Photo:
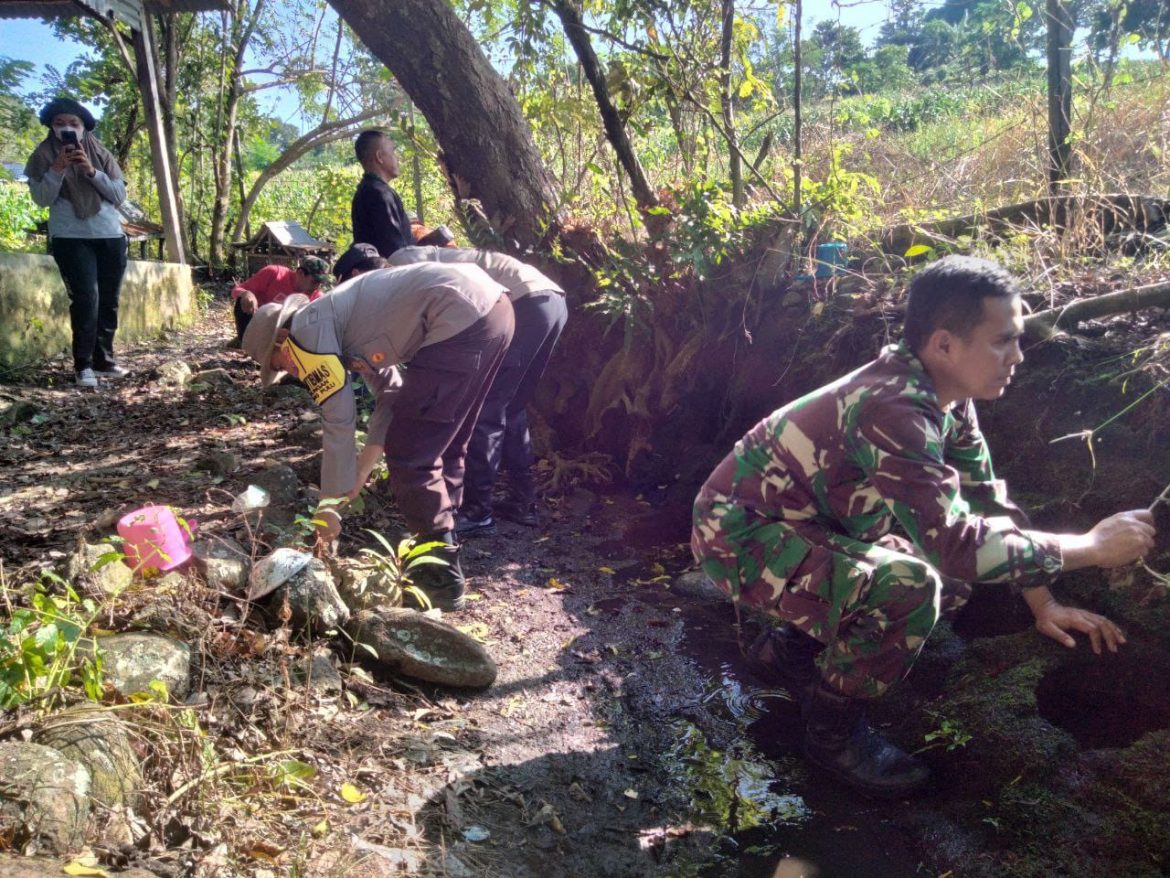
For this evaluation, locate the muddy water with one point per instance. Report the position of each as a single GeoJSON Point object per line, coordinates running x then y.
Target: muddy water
{"type": "Point", "coordinates": [826, 831]}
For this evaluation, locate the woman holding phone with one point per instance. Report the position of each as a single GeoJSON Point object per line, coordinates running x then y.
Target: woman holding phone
{"type": "Point", "coordinates": [77, 178]}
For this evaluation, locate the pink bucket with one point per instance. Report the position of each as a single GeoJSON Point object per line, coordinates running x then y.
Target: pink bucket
{"type": "Point", "coordinates": [154, 538]}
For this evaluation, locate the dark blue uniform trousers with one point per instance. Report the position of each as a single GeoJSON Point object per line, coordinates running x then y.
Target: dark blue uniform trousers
{"type": "Point", "coordinates": [501, 433]}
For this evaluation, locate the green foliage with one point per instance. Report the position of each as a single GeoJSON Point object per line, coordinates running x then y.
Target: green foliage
{"type": "Point", "coordinates": [305, 526]}
{"type": "Point", "coordinates": [39, 645]}
{"type": "Point", "coordinates": [395, 563]}
{"type": "Point", "coordinates": [843, 200]}
{"type": "Point", "coordinates": [19, 215]}
{"type": "Point", "coordinates": [949, 735]}
{"type": "Point", "coordinates": [706, 231]}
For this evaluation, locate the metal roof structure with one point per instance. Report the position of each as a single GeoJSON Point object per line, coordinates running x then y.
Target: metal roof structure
{"type": "Point", "coordinates": [126, 11]}
{"type": "Point", "coordinates": [281, 242]}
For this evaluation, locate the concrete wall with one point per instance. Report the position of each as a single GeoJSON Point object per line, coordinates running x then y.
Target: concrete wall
{"type": "Point", "coordinates": [34, 308]}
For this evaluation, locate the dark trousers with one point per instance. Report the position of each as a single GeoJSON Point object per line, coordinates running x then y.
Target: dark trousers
{"type": "Point", "coordinates": [92, 269]}
{"type": "Point", "coordinates": [443, 389]}
{"type": "Point", "coordinates": [501, 433]}
{"type": "Point", "coordinates": [242, 319]}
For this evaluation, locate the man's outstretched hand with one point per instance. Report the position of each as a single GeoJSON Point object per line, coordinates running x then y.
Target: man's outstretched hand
{"type": "Point", "coordinates": [1115, 541]}
{"type": "Point", "coordinates": [1055, 620]}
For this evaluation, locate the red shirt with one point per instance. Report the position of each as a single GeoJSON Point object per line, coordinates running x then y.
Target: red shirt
{"type": "Point", "coordinates": [272, 283]}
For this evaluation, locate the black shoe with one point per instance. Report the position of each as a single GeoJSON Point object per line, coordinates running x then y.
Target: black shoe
{"type": "Point", "coordinates": [785, 656]}
{"type": "Point", "coordinates": [468, 527]}
{"type": "Point", "coordinates": [839, 740]}
{"type": "Point", "coordinates": [111, 371]}
{"type": "Point", "coordinates": [443, 584]}
{"type": "Point", "coordinates": [520, 513]}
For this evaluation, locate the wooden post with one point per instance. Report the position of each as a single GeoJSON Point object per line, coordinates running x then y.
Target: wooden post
{"type": "Point", "coordinates": [159, 154]}
{"type": "Point", "coordinates": [1060, 36]}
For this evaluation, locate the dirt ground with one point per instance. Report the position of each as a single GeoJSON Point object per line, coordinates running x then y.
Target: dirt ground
{"type": "Point", "coordinates": [623, 736]}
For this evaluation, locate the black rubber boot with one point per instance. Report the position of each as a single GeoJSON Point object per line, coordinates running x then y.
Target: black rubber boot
{"type": "Point", "coordinates": [444, 583]}
{"type": "Point", "coordinates": [839, 740]}
{"type": "Point", "coordinates": [785, 656]}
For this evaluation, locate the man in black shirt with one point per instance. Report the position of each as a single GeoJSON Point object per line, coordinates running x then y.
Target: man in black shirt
{"type": "Point", "coordinates": [377, 212]}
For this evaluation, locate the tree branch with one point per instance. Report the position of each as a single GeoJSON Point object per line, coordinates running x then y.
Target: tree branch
{"type": "Point", "coordinates": [1046, 324]}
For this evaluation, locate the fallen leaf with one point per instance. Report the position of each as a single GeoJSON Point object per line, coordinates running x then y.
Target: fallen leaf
{"type": "Point", "coordinates": [608, 570]}
{"type": "Point", "coordinates": [553, 582]}
{"type": "Point", "coordinates": [476, 631]}
{"type": "Point", "coordinates": [352, 794]}
{"type": "Point", "coordinates": [76, 868]}
{"type": "Point", "coordinates": [631, 793]}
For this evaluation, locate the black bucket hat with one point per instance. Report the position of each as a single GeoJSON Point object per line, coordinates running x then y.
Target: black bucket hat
{"type": "Point", "coordinates": [57, 106]}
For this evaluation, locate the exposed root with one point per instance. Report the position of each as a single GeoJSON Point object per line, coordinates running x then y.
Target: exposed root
{"type": "Point", "coordinates": [558, 473]}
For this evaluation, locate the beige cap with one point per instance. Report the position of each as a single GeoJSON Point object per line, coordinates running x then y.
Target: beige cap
{"type": "Point", "coordinates": [260, 336]}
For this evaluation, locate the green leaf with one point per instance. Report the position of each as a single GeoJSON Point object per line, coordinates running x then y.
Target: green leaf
{"type": "Point", "coordinates": [917, 250]}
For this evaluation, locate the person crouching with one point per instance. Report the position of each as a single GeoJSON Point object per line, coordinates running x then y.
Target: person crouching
{"type": "Point", "coordinates": [452, 325]}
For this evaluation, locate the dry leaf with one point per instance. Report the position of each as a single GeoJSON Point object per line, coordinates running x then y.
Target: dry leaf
{"type": "Point", "coordinates": [76, 868]}
{"type": "Point", "coordinates": [352, 794]}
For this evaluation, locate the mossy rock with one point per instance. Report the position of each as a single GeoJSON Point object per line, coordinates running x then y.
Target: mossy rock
{"type": "Point", "coordinates": [97, 739]}
{"type": "Point", "coordinates": [991, 695]}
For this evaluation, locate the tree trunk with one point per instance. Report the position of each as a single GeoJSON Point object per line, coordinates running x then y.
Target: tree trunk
{"type": "Point", "coordinates": [615, 129]}
{"type": "Point", "coordinates": [485, 141]}
{"type": "Point", "coordinates": [239, 26]}
{"type": "Point", "coordinates": [797, 157]}
{"type": "Point", "coordinates": [168, 29]}
{"type": "Point", "coordinates": [1060, 35]}
{"type": "Point", "coordinates": [735, 170]}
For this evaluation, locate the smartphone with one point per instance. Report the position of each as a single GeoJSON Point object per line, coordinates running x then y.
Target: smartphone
{"type": "Point", "coordinates": [69, 138]}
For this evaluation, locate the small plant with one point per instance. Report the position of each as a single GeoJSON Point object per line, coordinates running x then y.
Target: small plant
{"type": "Point", "coordinates": [950, 734]}
{"type": "Point", "coordinates": [396, 563]}
{"type": "Point", "coordinates": [306, 525]}
{"type": "Point", "coordinates": [38, 645]}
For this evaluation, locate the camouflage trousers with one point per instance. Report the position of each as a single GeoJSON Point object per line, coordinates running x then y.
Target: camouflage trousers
{"type": "Point", "coordinates": [873, 605]}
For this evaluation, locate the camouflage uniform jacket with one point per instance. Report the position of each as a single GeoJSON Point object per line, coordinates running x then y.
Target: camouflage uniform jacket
{"type": "Point", "coordinates": [847, 462]}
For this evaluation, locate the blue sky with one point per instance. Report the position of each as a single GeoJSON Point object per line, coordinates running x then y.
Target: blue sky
{"type": "Point", "coordinates": [33, 40]}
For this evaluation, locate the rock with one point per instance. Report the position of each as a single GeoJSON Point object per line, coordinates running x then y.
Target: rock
{"type": "Point", "coordinates": [44, 799]}
{"type": "Point", "coordinates": [132, 660]}
{"type": "Point", "coordinates": [295, 391]}
{"type": "Point", "coordinates": [284, 493]}
{"type": "Point", "coordinates": [221, 562]}
{"type": "Point", "coordinates": [280, 481]}
{"type": "Point", "coordinates": [98, 740]}
{"type": "Point", "coordinates": [218, 462]}
{"type": "Point", "coordinates": [214, 377]}
{"type": "Point", "coordinates": [999, 710]}
{"type": "Point", "coordinates": [273, 571]}
{"type": "Point", "coordinates": [17, 412]}
{"type": "Point", "coordinates": [697, 584]}
{"type": "Point", "coordinates": [174, 373]}
{"type": "Point", "coordinates": [320, 675]}
{"type": "Point", "coordinates": [111, 578]}
{"type": "Point", "coordinates": [412, 644]}
{"type": "Point", "coordinates": [313, 599]}
{"type": "Point", "coordinates": [366, 586]}
{"type": "Point", "coordinates": [306, 432]}
{"type": "Point", "coordinates": [108, 519]}
{"type": "Point", "coordinates": [12, 866]}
